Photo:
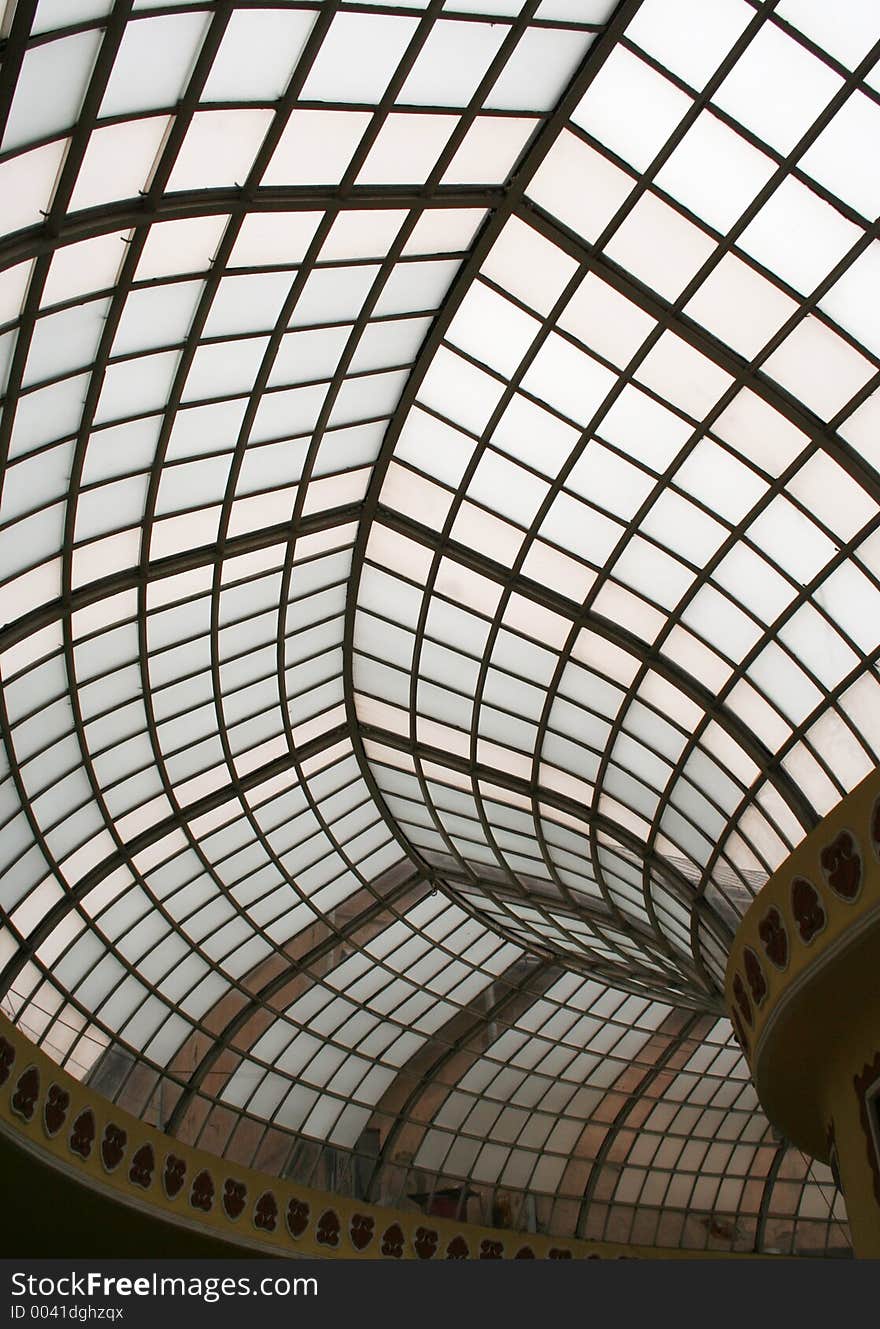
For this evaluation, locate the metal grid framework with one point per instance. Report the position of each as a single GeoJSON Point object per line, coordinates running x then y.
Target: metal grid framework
{"type": "Point", "coordinates": [440, 576]}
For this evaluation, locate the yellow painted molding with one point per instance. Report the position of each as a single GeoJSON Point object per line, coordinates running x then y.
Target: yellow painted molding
{"type": "Point", "coordinates": [804, 962]}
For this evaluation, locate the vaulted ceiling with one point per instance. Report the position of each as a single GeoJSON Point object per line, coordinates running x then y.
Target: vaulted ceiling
{"type": "Point", "coordinates": [440, 575]}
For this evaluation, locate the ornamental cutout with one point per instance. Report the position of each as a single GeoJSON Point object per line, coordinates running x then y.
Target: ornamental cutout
{"type": "Point", "coordinates": [755, 976]}
{"type": "Point", "coordinates": [202, 1193]}
{"type": "Point", "coordinates": [266, 1212]}
{"type": "Point", "coordinates": [360, 1230]}
{"type": "Point", "coordinates": [742, 998]}
{"type": "Point", "coordinates": [174, 1175]}
{"type": "Point", "coordinates": [841, 863]}
{"type": "Point", "coordinates": [7, 1057]}
{"type": "Point", "coordinates": [491, 1250]}
{"type": "Point", "coordinates": [55, 1109]}
{"type": "Point", "coordinates": [808, 910]}
{"type": "Point", "coordinates": [82, 1136]}
{"type": "Point", "coordinates": [525, 1253]}
{"type": "Point", "coordinates": [556, 1254]}
{"type": "Point", "coordinates": [426, 1243]}
{"type": "Point", "coordinates": [328, 1228]}
{"type": "Point", "coordinates": [143, 1165]}
{"type": "Point", "coordinates": [774, 938]}
{"type": "Point", "coordinates": [113, 1146]}
{"type": "Point", "coordinates": [392, 1242]}
{"type": "Point", "coordinates": [457, 1249]}
{"type": "Point", "coordinates": [27, 1091]}
{"type": "Point", "coordinates": [297, 1217]}
{"type": "Point", "coordinates": [234, 1198]}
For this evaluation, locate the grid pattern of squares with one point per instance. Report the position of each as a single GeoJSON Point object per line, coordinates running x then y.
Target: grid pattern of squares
{"type": "Point", "coordinates": [438, 541]}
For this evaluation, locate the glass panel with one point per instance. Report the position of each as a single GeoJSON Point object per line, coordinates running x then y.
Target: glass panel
{"type": "Point", "coordinates": [452, 63]}
{"type": "Point", "coordinates": [119, 161]}
{"type": "Point", "coordinates": [489, 150]}
{"type": "Point", "coordinates": [777, 88]}
{"type": "Point", "coordinates": [259, 52]}
{"type": "Point", "coordinates": [798, 237]}
{"type": "Point", "coordinates": [50, 88]}
{"type": "Point", "coordinates": [358, 57]}
{"type": "Point", "coordinates": [406, 149]}
{"type": "Point", "coordinates": [219, 149]}
{"type": "Point", "coordinates": [631, 108]}
{"type": "Point", "coordinates": [153, 64]}
{"type": "Point", "coordinates": [539, 69]}
{"type": "Point", "coordinates": [316, 147]}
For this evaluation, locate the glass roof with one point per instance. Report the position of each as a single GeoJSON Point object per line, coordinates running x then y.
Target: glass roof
{"type": "Point", "coordinates": [440, 575]}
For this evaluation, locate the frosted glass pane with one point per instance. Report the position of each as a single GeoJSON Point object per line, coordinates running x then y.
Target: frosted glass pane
{"type": "Point", "coordinates": [64, 341]}
{"type": "Point", "coordinates": [798, 236]}
{"type": "Point", "coordinates": [13, 285]}
{"type": "Point", "coordinates": [305, 356]}
{"type": "Point", "coordinates": [27, 184]}
{"type": "Point", "coordinates": [392, 343]}
{"type": "Point", "coordinates": [610, 481]}
{"type": "Point", "coordinates": [456, 388]}
{"type": "Point", "coordinates": [848, 31]}
{"type": "Point", "coordinates": [368, 233]}
{"type": "Point", "coordinates": [644, 429]}
{"type": "Point", "coordinates": [759, 432]}
{"type": "Point", "coordinates": [740, 306]}
{"type": "Point", "coordinates": [530, 433]}
{"type": "Point", "coordinates": [50, 88]}
{"type": "Point", "coordinates": [819, 367]}
{"type": "Point", "coordinates": [715, 172]}
{"type": "Point", "coordinates": [136, 386]}
{"type": "Point", "coordinates": [539, 69]}
{"type": "Point", "coordinates": [777, 88]}
{"type": "Point", "coordinates": [852, 300]}
{"type": "Point", "coordinates": [529, 266]}
{"type": "Point", "coordinates": [274, 237]}
{"type": "Point", "coordinates": [661, 248]}
{"type": "Point", "coordinates": [441, 230]}
{"type": "Point", "coordinates": [493, 330]}
{"type": "Point", "coordinates": [507, 488]}
{"type": "Point", "coordinates": [247, 303]}
{"type": "Point", "coordinates": [406, 149]}
{"type": "Point", "coordinates": [258, 53]}
{"type": "Point", "coordinates": [333, 295]}
{"type": "Point", "coordinates": [606, 321]}
{"type": "Point", "coordinates": [452, 63]}
{"type": "Point", "coordinates": [156, 317]}
{"type": "Point", "coordinates": [153, 64]}
{"type": "Point", "coordinates": [589, 209]}
{"type": "Point", "coordinates": [631, 108]}
{"type": "Point", "coordinates": [47, 414]}
{"type": "Point", "coordinates": [219, 148]}
{"type": "Point", "coordinates": [118, 161]}
{"type": "Point", "coordinates": [89, 265]}
{"type": "Point", "coordinates": [224, 367]}
{"type": "Point", "coordinates": [569, 380]}
{"type": "Point", "coordinates": [358, 57]}
{"type": "Point", "coordinates": [316, 147]}
{"type": "Point", "coordinates": [52, 14]}
{"type": "Point", "coordinates": [689, 37]}
{"type": "Point", "coordinates": [180, 246]}
{"type": "Point", "coordinates": [843, 157]}
{"type": "Point", "coordinates": [489, 150]}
